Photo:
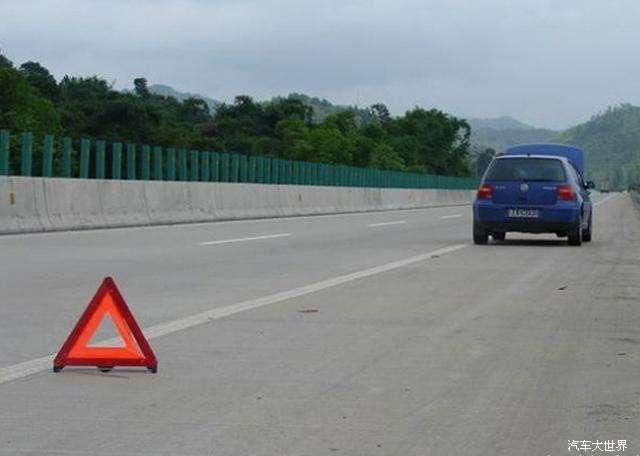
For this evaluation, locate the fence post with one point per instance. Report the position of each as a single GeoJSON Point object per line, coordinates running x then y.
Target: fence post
{"type": "Point", "coordinates": [267, 167]}
{"type": "Point", "coordinates": [234, 167]}
{"type": "Point", "coordinates": [252, 170]}
{"type": "Point", "coordinates": [4, 152]}
{"type": "Point", "coordinates": [171, 164]}
{"type": "Point", "coordinates": [67, 146]}
{"type": "Point", "coordinates": [116, 161]}
{"type": "Point", "coordinates": [157, 163]}
{"type": "Point", "coordinates": [260, 170]}
{"type": "Point", "coordinates": [47, 156]}
{"type": "Point", "coordinates": [310, 174]}
{"type": "Point", "coordinates": [284, 172]}
{"type": "Point", "coordinates": [224, 167]}
{"type": "Point", "coordinates": [317, 173]}
{"type": "Point", "coordinates": [288, 172]}
{"type": "Point", "coordinates": [194, 175]}
{"type": "Point", "coordinates": [205, 172]}
{"type": "Point", "coordinates": [26, 153]}
{"type": "Point", "coordinates": [146, 162]}
{"type": "Point", "coordinates": [131, 161]}
{"type": "Point", "coordinates": [244, 163]}
{"type": "Point", "coordinates": [183, 170]}
{"type": "Point", "coordinates": [214, 159]}
{"type": "Point", "coordinates": [100, 156]}
{"type": "Point", "coordinates": [85, 148]}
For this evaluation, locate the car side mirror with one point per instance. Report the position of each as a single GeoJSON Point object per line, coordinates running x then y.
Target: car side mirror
{"type": "Point", "coordinates": [590, 185]}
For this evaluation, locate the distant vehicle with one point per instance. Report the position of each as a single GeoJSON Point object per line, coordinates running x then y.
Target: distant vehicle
{"type": "Point", "coordinates": [534, 188]}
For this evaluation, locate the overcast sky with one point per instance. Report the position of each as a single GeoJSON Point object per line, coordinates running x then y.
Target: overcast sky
{"type": "Point", "coordinates": [551, 63]}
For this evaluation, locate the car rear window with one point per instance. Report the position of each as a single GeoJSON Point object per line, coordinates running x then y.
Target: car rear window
{"type": "Point", "coordinates": [530, 169]}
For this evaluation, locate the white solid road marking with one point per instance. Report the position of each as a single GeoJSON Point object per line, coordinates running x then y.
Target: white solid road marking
{"type": "Point", "coordinates": [255, 238]}
{"type": "Point", "coordinates": [451, 216]}
{"type": "Point", "coordinates": [605, 199]}
{"type": "Point", "coordinates": [397, 222]}
{"type": "Point", "coordinates": [34, 366]}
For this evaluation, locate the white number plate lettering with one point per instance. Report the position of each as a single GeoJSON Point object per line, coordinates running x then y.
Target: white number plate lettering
{"type": "Point", "coordinates": [523, 213]}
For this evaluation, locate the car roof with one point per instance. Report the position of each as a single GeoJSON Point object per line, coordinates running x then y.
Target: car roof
{"type": "Point", "coordinates": [552, 157]}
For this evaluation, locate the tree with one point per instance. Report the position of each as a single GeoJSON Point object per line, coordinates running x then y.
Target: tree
{"type": "Point", "coordinates": [195, 110]}
{"type": "Point", "coordinates": [385, 157]}
{"type": "Point", "coordinates": [40, 78]}
{"type": "Point", "coordinates": [432, 141]}
{"type": "Point", "coordinates": [5, 62]}
{"type": "Point", "coordinates": [344, 121]}
{"type": "Point", "coordinates": [22, 107]}
{"type": "Point", "coordinates": [482, 160]}
{"type": "Point", "coordinates": [380, 113]}
{"type": "Point", "coordinates": [140, 87]}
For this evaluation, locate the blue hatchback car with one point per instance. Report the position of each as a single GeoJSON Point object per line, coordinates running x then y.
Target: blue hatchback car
{"type": "Point", "coordinates": [534, 188]}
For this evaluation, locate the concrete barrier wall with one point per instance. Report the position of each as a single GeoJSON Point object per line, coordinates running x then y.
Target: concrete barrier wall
{"type": "Point", "coordinates": [30, 204]}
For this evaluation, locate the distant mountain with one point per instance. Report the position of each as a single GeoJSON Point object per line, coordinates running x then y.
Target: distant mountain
{"type": "Point", "coordinates": [502, 132]}
{"type": "Point", "coordinates": [499, 124]}
{"type": "Point", "coordinates": [611, 141]}
{"type": "Point", "coordinates": [167, 91]}
{"type": "Point", "coordinates": [323, 108]}
{"type": "Point", "coordinates": [499, 140]}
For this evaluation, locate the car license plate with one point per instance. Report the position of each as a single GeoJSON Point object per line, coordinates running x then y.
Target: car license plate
{"type": "Point", "coordinates": [523, 213]}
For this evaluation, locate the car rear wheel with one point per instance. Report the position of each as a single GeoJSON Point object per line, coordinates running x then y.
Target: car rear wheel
{"type": "Point", "coordinates": [499, 236]}
{"type": "Point", "coordinates": [575, 235]}
{"type": "Point", "coordinates": [480, 235]}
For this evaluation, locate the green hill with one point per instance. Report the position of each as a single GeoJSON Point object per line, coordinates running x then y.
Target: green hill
{"type": "Point", "coordinates": [502, 132]}
{"type": "Point", "coordinates": [499, 124]}
{"type": "Point", "coordinates": [501, 139]}
{"type": "Point", "coordinates": [323, 108]}
{"type": "Point", "coordinates": [167, 91]}
{"type": "Point", "coordinates": [611, 140]}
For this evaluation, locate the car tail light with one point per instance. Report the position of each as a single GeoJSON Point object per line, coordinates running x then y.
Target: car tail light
{"type": "Point", "coordinates": [565, 192]}
{"type": "Point", "coordinates": [484, 192]}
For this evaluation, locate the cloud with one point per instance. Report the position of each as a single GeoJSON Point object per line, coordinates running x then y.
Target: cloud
{"type": "Point", "coordinates": [547, 62]}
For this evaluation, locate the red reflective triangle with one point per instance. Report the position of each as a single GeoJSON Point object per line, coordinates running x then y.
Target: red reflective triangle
{"type": "Point", "coordinates": [76, 351]}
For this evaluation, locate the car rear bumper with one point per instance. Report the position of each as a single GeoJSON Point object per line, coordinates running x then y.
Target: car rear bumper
{"type": "Point", "coordinates": [553, 219]}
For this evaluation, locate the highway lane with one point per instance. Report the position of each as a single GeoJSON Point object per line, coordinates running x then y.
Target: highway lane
{"type": "Point", "coordinates": [166, 272]}
{"type": "Point", "coordinates": [511, 348]}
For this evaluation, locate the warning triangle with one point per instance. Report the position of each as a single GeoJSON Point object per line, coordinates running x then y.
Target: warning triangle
{"type": "Point", "coordinates": [132, 350]}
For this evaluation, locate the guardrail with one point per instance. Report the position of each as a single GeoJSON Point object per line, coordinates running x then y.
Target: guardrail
{"type": "Point", "coordinates": [95, 159]}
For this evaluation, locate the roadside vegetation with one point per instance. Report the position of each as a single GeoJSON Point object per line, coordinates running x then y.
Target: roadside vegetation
{"type": "Point", "coordinates": [424, 141]}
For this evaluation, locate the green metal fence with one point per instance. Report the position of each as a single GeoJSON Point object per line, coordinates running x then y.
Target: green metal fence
{"type": "Point", "coordinates": [91, 159]}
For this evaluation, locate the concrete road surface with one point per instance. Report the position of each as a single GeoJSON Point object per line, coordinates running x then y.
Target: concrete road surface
{"type": "Point", "coordinates": [369, 334]}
